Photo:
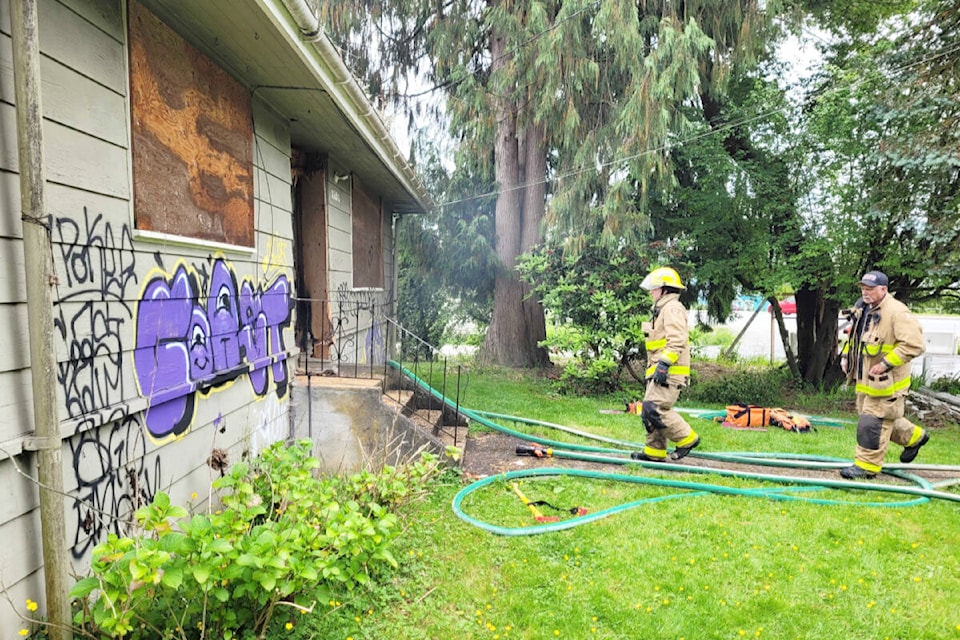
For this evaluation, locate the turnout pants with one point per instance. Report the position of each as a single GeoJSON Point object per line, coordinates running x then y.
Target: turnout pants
{"type": "Point", "coordinates": [662, 422]}
{"type": "Point", "coordinates": [881, 421]}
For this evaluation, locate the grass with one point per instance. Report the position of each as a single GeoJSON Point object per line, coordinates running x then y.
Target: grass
{"type": "Point", "coordinates": [698, 567]}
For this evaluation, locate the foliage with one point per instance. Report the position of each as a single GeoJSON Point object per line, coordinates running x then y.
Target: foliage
{"type": "Point", "coordinates": [422, 305]}
{"type": "Point", "coordinates": [280, 533]}
{"type": "Point", "coordinates": [947, 384]}
{"type": "Point", "coordinates": [709, 567]}
{"type": "Point", "coordinates": [883, 121]}
{"type": "Point", "coordinates": [598, 295]}
{"type": "Point", "coordinates": [752, 385]}
{"type": "Point", "coordinates": [590, 96]}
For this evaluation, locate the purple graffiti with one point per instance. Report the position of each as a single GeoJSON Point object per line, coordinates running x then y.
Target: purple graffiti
{"type": "Point", "coordinates": [185, 347]}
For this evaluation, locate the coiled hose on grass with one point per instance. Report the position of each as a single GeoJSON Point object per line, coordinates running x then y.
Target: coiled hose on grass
{"type": "Point", "coordinates": [921, 490]}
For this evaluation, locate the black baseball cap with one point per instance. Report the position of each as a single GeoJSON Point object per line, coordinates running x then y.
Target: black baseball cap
{"type": "Point", "coordinates": [875, 279]}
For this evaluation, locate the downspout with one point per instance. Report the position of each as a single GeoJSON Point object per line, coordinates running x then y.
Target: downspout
{"type": "Point", "coordinates": [40, 279]}
{"type": "Point", "coordinates": [395, 220]}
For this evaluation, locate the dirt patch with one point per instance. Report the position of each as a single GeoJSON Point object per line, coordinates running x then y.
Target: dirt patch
{"type": "Point", "coordinates": [490, 454]}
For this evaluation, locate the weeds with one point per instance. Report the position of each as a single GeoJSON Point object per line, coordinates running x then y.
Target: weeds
{"type": "Point", "coordinates": [281, 537]}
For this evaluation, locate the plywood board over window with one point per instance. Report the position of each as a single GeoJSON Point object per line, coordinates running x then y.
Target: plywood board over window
{"type": "Point", "coordinates": [367, 239]}
{"type": "Point", "coordinates": [192, 129]}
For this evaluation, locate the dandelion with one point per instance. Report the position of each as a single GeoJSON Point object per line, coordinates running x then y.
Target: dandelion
{"type": "Point", "coordinates": [356, 618]}
{"type": "Point", "coordinates": [871, 603]}
{"type": "Point", "coordinates": [288, 626]}
{"type": "Point", "coordinates": [31, 605]}
{"type": "Point", "coordinates": [556, 632]}
{"type": "Point", "coordinates": [23, 632]}
{"type": "Point", "coordinates": [193, 496]}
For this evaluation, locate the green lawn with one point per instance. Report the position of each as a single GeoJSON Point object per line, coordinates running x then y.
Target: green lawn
{"type": "Point", "coordinates": [692, 565]}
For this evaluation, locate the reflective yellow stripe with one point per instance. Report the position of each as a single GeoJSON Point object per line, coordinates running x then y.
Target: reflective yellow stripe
{"type": "Point", "coordinates": [873, 350]}
{"type": "Point", "coordinates": [915, 436]}
{"type": "Point", "coordinates": [653, 345]}
{"type": "Point", "coordinates": [690, 439]}
{"type": "Point", "coordinates": [886, 391]}
{"type": "Point", "coordinates": [866, 466]}
{"type": "Point", "coordinates": [655, 453]}
{"type": "Point", "coordinates": [670, 356]}
{"type": "Point", "coordinates": [894, 359]}
{"type": "Point", "coordinates": [846, 348]}
{"type": "Point", "coordinates": [675, 370]}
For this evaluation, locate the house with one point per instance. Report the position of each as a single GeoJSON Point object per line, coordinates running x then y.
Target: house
{"type": "Point", "coordinates": [216, 187]}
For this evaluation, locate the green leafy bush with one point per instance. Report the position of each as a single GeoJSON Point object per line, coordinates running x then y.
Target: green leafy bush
{"type": "Point", "coordinates": [280, 533]}
{"type": "Point", "coordinates": [597, 298]}
{"type": "Point", "coordinates": [947, 384]}
{"type": "Point", "coordinates": [761, 386]}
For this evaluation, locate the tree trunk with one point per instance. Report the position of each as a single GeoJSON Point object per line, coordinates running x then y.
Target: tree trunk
{"type": "Point", "coordinates": [817, 327]}
{"type": "Point", "coordinates": [517, 325]}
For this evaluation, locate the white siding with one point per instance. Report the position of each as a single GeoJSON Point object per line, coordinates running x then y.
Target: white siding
{"type": "Point", "coordinates": [112, 460]}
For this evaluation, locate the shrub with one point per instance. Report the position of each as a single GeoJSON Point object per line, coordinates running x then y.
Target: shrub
{"type": "Point", "coordinates": [947, 384]}
{"type": "Point", "coordinates": [280, 533]}
{"type": "Point", "coordinates": [761, 386]}
{"type": "Point", "coordinates": [597, 297]}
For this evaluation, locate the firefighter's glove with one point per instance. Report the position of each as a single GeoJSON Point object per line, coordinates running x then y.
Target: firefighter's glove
{"type": "Point", "coordinates": [661, 372]}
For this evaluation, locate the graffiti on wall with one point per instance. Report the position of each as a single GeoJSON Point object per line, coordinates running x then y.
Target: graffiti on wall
{"type": "Point", "coordinates": [195, 332]}
{"type": "Point", "coordinates": [99, 264]}
{"type": "Point", "coordinates": [113, 480]}
{"type": "Point", "coordinates": [271, 427]}
{"type": "Point", "coordinates": [358, 326]}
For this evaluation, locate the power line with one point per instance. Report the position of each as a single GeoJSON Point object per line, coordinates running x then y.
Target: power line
{"type": "Point", "coordinates": [701, 136]}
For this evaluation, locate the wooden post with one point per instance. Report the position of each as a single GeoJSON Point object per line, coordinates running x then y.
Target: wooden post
{"type": "Point", "coordinates": [40, 279]}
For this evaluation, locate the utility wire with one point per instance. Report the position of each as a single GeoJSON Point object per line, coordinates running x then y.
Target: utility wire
{"type": "Point", "coordinates": [701, 136]}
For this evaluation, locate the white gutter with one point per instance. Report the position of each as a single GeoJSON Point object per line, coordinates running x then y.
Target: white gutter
{"type": "Point", "coordinates": [346, 91]}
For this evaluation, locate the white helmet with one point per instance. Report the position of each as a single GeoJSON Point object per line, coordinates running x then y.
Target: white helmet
{"type": "Point", "coordinates": [662, 277]}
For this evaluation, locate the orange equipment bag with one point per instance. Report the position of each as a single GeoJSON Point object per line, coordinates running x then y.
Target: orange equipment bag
{"type": "Point", "coordinates": [750, 415]}
{"type": "Point", "coordinates": [790, 422]}
{"type": "Point", "coordinates": [747, 415]}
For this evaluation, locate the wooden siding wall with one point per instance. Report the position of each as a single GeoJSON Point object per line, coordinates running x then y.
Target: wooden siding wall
{"type": "Point", "coordinates": [116, 454]}
{"type": "Point", "coordinates": [358, 339]}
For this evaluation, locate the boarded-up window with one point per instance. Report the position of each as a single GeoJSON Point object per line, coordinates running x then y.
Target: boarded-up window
{"type": "Point", "coordinates": [367, 239]}
{"type": "Point", "coordinates": [192, 132]}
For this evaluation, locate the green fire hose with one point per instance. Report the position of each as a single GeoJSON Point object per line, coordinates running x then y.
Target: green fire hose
{"type": "Point", "coordinates": [920, 491]}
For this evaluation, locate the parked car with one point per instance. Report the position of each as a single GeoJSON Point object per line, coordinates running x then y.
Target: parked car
{"type": "Point", "coordinates": [787, 305]}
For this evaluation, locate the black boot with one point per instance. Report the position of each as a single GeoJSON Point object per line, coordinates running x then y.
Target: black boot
{"type": "Point", "coordinates": [909, 453]}
{"type": "Point", "coordinates": [681, 452]}
{"type": "Point", "coordinates": [854, 472]}
{"type": "Point", "coordinates": [640, 455]}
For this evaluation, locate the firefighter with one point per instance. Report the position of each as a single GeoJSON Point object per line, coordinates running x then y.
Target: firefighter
{"type": "Point", "coordinates": [668, 368]}
{"type": "Point", "coordinates": [884, 339]}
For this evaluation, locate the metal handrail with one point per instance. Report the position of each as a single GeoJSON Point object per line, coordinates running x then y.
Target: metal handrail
{"type": "Point", "coordinates": [355, 337]}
